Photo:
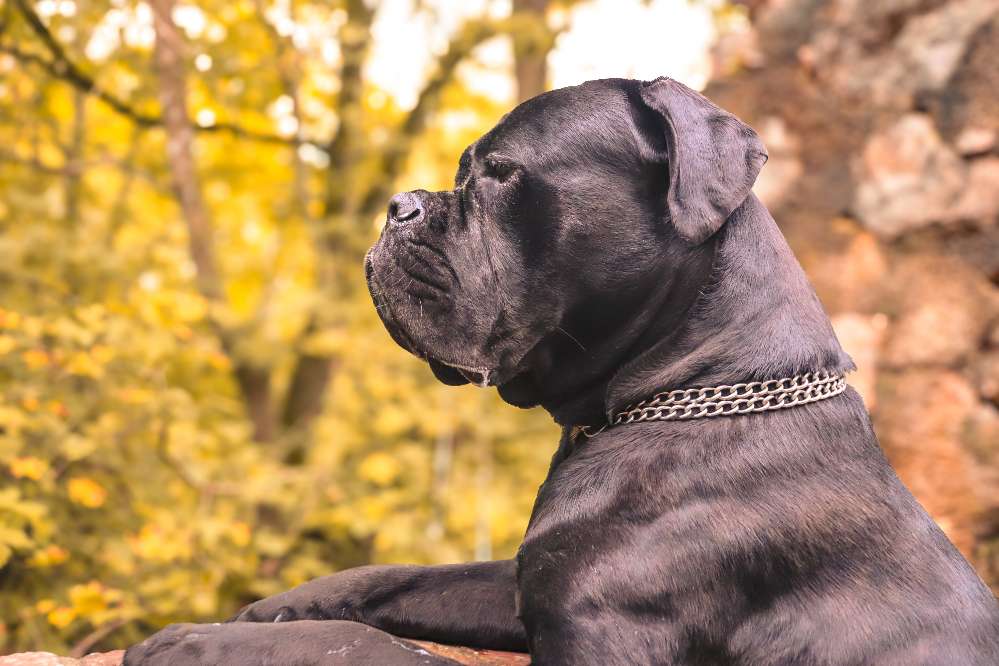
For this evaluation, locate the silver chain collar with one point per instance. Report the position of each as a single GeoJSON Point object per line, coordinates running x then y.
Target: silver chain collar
{"type": "Point", "coordinates": [729, 400]}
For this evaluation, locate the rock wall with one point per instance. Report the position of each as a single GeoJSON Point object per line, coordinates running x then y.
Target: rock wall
{"type": "Point", "coordinates": [882, 123]}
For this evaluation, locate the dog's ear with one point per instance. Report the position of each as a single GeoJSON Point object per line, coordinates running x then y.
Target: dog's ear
{"type": "Point", "coordinates": [714, 158]}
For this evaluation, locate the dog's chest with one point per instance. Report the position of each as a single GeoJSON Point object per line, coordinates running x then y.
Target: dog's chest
{"type": "Point", "coordinates": [596, 533]}
{"type": "Point", "coordinates": [632, 530]}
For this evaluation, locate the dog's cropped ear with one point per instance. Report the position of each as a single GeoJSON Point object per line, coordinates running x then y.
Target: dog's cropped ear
{"type": "Point", "coordinates": [714, 158]}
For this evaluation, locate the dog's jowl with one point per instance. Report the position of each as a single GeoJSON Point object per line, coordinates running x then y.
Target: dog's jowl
{"type": "Point", "coordinates": [718, 495]}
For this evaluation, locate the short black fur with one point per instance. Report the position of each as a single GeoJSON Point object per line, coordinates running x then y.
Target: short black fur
{"type": "Point", "coordinates": [602, 244]}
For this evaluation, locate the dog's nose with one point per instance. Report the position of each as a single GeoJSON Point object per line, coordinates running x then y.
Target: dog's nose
{"type": "Point", "coordinates": [404, 207]}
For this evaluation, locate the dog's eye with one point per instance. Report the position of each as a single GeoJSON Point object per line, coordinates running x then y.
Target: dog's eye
{"type": "Point", "coordinates": [498, 168]}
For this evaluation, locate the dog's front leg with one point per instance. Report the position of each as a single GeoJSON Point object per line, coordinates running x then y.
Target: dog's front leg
{"type": "Point", "coordinates": [462, 604]}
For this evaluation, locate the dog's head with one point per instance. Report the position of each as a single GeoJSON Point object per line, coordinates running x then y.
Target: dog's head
{"type": "Point", "coordinates": [562, 219]}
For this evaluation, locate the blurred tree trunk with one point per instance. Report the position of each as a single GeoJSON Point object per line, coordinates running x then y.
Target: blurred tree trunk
{"type": "Point", "coordinates": [254, 382]}
{"type": "Point", "coordinates": [74, 158]}
{"type": "Point", "coordinates": [74, 151]}
{"type": "Point", "coordinates": [312, 372]}
{"type": "Point", "coordinates": [880, 119]}
{"type": "Point", "coordinates": [171, 69]}
{"type": "Point", "coordinates": [483, 510]}
{"type": "Point", "coordinates": [530, 55]}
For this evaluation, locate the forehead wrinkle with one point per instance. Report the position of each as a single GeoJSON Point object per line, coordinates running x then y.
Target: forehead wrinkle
{"type": "Point", "coordinates": [464, 171]}
{"type": "Point", "coordinates": [598, 136]}
{"type": "Point", "coordinates": [595, 150]}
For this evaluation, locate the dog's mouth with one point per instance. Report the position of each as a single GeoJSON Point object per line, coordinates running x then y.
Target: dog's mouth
{"type": "Point", "coordinates": [384, 310]}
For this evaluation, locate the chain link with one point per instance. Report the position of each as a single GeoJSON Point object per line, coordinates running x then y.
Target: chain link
{"type": "Point", "coordinates": [729, 400]}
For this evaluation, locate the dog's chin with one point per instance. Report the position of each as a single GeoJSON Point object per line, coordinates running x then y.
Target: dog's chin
{"type": "Point", "coordinates": [452, 374]}
{"type": "Point", "coordinates": [510, 378]}
{"type": "Point", "coordinates": [456, 375]}
{"type": "Point", "coordinates": [447, 374]}
{"type": "Point", "coordinates": [446, 371]}
{"type": "Point", "coordinates": [521, 391]}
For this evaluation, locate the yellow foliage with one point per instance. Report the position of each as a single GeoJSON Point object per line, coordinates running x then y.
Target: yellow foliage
{"type": "Point", "coordinates": [61, 617]}
{"type": "Point", "coordinates": [135, 396]}
{"type": "Point", "coordinates": [102, 354]}
{"type": "Point", "coordinates": [240, 534]}
{"type": "Point", "coordinates": [187, 307]}
{"type": "Point", "coordinates": [45, 606]}
{"type": "Point", "coordinates": [91, 598]}
{"type": "Point", "coordinates": [155, 543]}
{"type": "Point", "coordinates": [28, 467]}
{"type": "Point", "coordinates": [9, 319]}
{"type": "Point", "coordinates": [11, 419]}
{"type": "Point", "coordinates": [84, 365]}
{"type": "Point", "coordinates": [325, 342]}
{"type": "Point", "coordinates": [7, 344]}
{"type": "Point", "coordinates": [86, 492]}
{"type": "Point", "coordinates": [49, 556]}
{"type": "Point", "coordinates": [35, 358]}
{"type": "Point", "coordinates": [379, 468]}
{"type": "Point", "coordinates": [392, 420]}
{"type": "Point", "coordinates": [77, 447]}
{"type": "Point", "coordinates": [14, 538]}
{"type": "Point", "coordinates": [57, 408]}
{"type": "Point", "coordinates": [115, 379]}
{"type": "Point", "coordinates": [31, 326]}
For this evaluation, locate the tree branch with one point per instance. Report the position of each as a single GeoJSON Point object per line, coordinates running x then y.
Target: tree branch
{"type": "Point", "coordinates": [470, 36]}
{"type": "Point", "coordinates": [36, 164]}
{"type": "Point", "coordinates": [60, 66]}
{"type": "Point", "coordinates": [307, 388]}
{"type": "Point", "coordinates": [84, 645]}
{"type": "Point", "coordinates": [530, 50]}
{"type": "Point", "coordinates": [289, 72]}
{"type": "Point", "coordinates": [74, 152]}
{"type": "Point", "coordinates": [311, 373]}
{"type": "Point", "coordinates": [70, 168]}
{"type": "Point", "coordinates": [355, 41]}
{"type": "Point", "coordinates": [253, 381]}
{"type": "Point", "coordinates": [168, 56]}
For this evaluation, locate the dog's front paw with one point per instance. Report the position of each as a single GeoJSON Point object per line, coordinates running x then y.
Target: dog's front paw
{"type": "Point", "coordinates": [336, 597]}
{"type": "Point", "coordinates": [226, 645]}
{"type": "Point", "coordinates": [305, 643]}
{"type": "Point", "coordinates": [176, 645]}
{"type": "Point", "coordinates": [288, 607]}
{"type": "Point", "coordinates": [266, 610]}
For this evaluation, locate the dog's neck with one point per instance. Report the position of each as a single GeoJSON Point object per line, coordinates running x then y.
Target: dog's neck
{"type": "Point", "coordinates": [751, 316]}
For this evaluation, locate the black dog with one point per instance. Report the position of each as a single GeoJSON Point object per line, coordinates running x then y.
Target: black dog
{"type": "Point", "coordinates": [601, 245]}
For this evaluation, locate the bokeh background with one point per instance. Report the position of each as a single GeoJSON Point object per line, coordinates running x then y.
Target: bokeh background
{"type": "Point", "coordinates": [199, 406]}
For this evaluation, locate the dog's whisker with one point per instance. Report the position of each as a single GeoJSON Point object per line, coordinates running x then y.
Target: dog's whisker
{"type": "Point", "coordinates": [571, 337]}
